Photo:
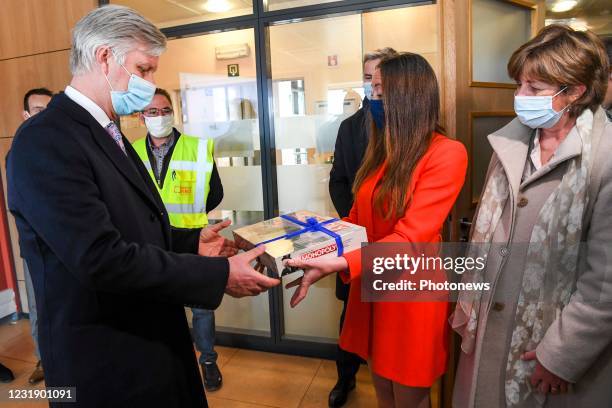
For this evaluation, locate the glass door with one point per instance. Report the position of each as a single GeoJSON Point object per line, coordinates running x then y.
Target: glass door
{"type": "Point", "coordinates": [271, 89]}
{"type": "Point", "coordinates": [316, 73]}
{"type": "Point", "coordinates": [212, 81]}
{"type": "Point", "coordinates": [219, 100]}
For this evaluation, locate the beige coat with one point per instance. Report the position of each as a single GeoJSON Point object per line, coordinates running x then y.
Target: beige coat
{"type": "Point", "coordinates": [578, 345]}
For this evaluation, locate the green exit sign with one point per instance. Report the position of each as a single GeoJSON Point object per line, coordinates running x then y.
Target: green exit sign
{"type": "Point", "coordinates": [233, 70]}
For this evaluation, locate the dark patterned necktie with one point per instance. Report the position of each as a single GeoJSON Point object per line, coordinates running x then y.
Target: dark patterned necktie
{"type": "Point", "coordinates": [115, 133]}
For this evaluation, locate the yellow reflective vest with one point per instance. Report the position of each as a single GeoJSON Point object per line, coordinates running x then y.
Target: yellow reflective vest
{"type": "Point", "coordinates": [184, 188]}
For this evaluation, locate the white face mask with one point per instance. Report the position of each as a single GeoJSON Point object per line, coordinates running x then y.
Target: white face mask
{"type": "Point", "coordinates": [537, 111]}
{"type": "Point", "coordinates": [159, 126]}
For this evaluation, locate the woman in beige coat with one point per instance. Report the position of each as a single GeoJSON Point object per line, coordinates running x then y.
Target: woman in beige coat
{"type": "Point", "coordinates": [542, 336]}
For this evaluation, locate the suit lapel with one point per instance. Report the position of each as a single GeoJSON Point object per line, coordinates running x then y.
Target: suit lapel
{"type": "Point", "coordinates": [362, 139]}
{"type": "Point", "coordinates": [511, 145]}
{"type": "Point", "coordinates": [366, 124]}
{"type": "Point", "coordinates": [142, 171]}
{"type": "Point", "coordinates": [125, 165]}
{"type": "Point", "coordinates": [144, 175]}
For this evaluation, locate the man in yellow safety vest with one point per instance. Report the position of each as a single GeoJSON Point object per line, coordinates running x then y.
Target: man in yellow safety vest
{"type": "Point", "coordinates": [188, 182]}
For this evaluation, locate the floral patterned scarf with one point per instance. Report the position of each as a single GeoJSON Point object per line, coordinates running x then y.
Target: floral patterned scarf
{"type": "Point", "coordinates": [550, 269]}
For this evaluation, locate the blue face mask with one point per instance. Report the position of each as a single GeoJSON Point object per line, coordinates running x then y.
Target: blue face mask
{"type": "Point", "coordinates": [138, 95]}
{"type": "Point", "coordinates": [537, 111]}
{"type": "Point", "coordinates": [378, 113]}
{"type": "Point", "coordinates": [367, 90]}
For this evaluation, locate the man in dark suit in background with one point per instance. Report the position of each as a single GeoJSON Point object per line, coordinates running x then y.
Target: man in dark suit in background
{"type": "Point", "coordinates": [350, 148]}
{"type": "Point", "coordinates": [34, 101]}
{"type": "Point", "coordinates": [110, 275]}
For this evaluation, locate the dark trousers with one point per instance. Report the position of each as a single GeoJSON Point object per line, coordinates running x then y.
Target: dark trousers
{"type": "Point", "coordinates": [347, 363]}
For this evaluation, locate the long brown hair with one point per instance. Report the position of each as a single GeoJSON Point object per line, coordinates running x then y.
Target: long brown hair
{"type": "Point", "coordinates": [411, 103]}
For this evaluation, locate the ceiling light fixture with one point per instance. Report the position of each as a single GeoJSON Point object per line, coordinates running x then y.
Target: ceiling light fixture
{"type": "Point", "coordinates": [577, 24]}
{"type": "Point", "coordinates": [563, 6]}
{"type": "Point", "coordinates": [217, 6]}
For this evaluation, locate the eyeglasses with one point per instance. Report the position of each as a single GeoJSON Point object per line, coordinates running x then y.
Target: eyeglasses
{"type": "Point", "coordinates": [157, 112]}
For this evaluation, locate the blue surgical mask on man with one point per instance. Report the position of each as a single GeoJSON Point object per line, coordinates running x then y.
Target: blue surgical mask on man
{"type": "Point", "coordinates": [537, 111]}
{"type": "Point", "coordinates": [138, 95]}
{"type": "Point", "coordinates": [367, 90]}
{"type": "Point", "coordinates": [378, 113]}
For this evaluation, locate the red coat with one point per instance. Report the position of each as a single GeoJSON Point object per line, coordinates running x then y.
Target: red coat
{"type": "Point", "coordinates": [406, 342]}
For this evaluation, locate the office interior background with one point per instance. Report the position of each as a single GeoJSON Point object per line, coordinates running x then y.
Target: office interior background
{"type": "Point", "coordinates": [271, 81]}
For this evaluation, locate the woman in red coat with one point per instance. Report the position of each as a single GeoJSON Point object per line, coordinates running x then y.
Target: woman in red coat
{"type": "Point", "coordinates": [409, 180]}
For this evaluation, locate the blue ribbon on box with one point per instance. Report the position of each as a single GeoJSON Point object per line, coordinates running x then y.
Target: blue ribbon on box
{"type": "Point", "coordinates": [311, 225]}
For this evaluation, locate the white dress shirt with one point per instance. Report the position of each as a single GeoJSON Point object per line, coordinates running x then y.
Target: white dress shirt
{"type": "Point", "coordinates": [90, 106]}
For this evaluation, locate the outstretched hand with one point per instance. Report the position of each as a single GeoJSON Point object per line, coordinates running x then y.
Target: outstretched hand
{"type": "Point", "coordinates": [243, 280]}
{"type": "Point", "coordinates": [314, 270]}
{"type": "Point", "coordinates": [213, 244]}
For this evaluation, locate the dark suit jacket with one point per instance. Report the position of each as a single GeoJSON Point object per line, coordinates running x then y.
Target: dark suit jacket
{"type": "Point", "coordinates": [350, 148]}
{"type": "Point", "coordinates": [109, 274]}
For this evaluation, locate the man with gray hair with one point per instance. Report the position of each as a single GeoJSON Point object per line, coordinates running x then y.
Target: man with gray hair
{"type": "Point", "coordinates": [110, 275]}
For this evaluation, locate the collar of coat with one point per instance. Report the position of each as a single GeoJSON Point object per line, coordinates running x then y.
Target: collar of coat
{"type": "Point", "coordinates": [511, 146]}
